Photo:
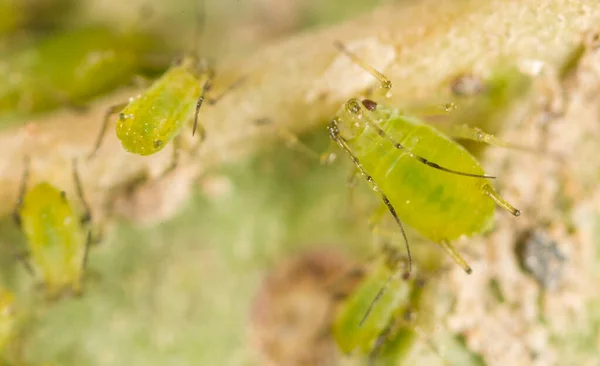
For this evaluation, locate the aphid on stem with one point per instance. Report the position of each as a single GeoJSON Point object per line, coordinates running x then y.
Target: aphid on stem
{"type": "Point", "coordinates": [149, 121]}
{"type": "Point", "coordinates": [58, 239]}
{"type": "Point", "coordinates": [422, 176]}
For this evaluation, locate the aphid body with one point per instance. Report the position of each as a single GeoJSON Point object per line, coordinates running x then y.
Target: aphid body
{"type": "Point", "coordinates": [71, 67]}
{"type": "Point", "coordinates": [424, 178]}
{"type": "Point", "coordinates": [441, 206]}
{"type": "Point", "coordinates": [56, 238]}
{"type": "Point", "coordinates": [385, 332]}
{"type": "Point", "coordinates": [154, 118]}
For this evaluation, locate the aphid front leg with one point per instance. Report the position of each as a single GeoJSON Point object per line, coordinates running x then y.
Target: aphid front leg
{"type": "Point", "coordinates": [334, 132]}
{"type": "Point", "coordinates": [109, 112]}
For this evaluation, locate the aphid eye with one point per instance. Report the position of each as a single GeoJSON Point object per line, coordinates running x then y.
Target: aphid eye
{"type": "Point", "coordinates": [63, 195]}
{"type": "Point", "coordinates": [121, 116]}
{"type": "Point", "coordinates": [369, 104]}
{"type": "Point", "coordinates": [353, 106]}
{"type": "Point", "coordinates": [158, 143]}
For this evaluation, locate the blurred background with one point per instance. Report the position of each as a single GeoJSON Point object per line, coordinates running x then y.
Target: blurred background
{"type": "Point", "coordinates": [259, 256]}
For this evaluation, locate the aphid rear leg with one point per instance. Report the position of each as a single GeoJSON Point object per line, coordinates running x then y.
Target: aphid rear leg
{"type": "Point", "coordinates": [109, 112]}
{"type": "Point", "coordinates": [23, 186]}
{"type": "Point", "coordinates": [449, 248]}
{"type": "Point", "coordinates": [174, 156]}
{"type": "Point", "coordinates": [87, 215]}
{"type": "Point", "coordinates": [490, 192]}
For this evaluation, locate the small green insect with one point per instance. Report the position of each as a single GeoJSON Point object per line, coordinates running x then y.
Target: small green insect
{"type": "Point", "coordinates": [389, 332]}
{"type": "Point", "coordinates": [424, 177]}
{"type": "Point", "coordinates": [58, 239]}
{"type": "Point", "coordinates": [7, 319]}
{"type": "Point", "coordinates": [44, 76]}
{"type": "Point", "coordinates": [149, 121]}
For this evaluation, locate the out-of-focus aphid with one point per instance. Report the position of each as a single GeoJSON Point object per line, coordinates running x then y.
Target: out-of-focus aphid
{"type": "Point", "coordinates": [58, 239]}
{"type": "Point", "coordinates": [71, 67]}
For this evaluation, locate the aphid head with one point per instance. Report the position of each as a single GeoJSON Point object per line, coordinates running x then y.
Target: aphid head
{"type": "Point", "coordinates": [349, 121]}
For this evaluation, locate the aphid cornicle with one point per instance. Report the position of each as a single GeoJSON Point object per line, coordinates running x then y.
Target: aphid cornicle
{"type": "Point", "coordinates": [58, 239]}
{"type": "Point", "coordinates": [149, 121]}
{"type": "Point", "coordinates": [423, 177]}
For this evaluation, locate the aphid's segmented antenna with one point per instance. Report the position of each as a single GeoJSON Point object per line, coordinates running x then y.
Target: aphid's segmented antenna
{"type": "Point", "coordinates": [355, 106]}
{"type": "Point", "coordinates": [377, 297]}
{"type": "Point", "coordinates": [335, 135]}
{"type": "Point", "coordinates": [199, 27]}
{"type": "Point", "coordinates": [383, 80]}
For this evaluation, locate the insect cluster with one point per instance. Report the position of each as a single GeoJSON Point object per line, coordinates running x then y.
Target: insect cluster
{"type": "Point", "coordinates": [422, 176]}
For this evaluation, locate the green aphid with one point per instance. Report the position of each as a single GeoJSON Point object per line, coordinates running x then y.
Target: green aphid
{"type": "Point", "coordinates": [70, 68]}
{"type": "Point", "coordinates": [385, 332]}
{"type": "Point", "coordinates": [58, 238]}
{"type": "Point", "coordinates": [7, 319]}
{"type": "Point", "coordinates": [33, 15]}
{"type": "Point", "coordinates": [151, 120]}
{"type": "Point", "coordinates": [423, 176]}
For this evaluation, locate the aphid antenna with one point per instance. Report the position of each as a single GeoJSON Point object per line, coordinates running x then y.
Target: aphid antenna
{"type": "Point", "coordinates": [199, 26]}
{"type": "Point", "coordinates": [377, 298]}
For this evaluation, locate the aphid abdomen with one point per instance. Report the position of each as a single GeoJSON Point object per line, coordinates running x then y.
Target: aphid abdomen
{"type": "Point", "coordinates": [153, 119]}
{"type": "Point", "coordinates": [55, 237]}
{"type": "Point", "coordinates": [438, 204]}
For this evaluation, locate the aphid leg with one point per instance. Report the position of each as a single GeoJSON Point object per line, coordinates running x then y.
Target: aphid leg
{"type": "Point", "coordinates": [354, 106]}
{"type": "Point", "coordinates": [174, 157]}
{"type": "Point", "coordinates": [476, 134]}
{"type": "Point", "coordinates": [291, 140]}
{"type": "Point", "coordinates": [386, 84]}
{"type": "Point", "coordinates": [335, 135]}
{"type": "Point", "coordinates": [109, 112]}
{"type": "Point", "coordinates": [231, 87]}
{"type": "Point", "coordinates": [23, 256]}
{"type": "Point", "coordinates": [205, 88]}
{"type": "Point", "coordinates": [16, 214]}
{"type": "Point", "coordinates": [87, 215]}
{"type": "Point", "coordinates": [489, 191]}
{"type": "Point", "coordinates": [449, 248]}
